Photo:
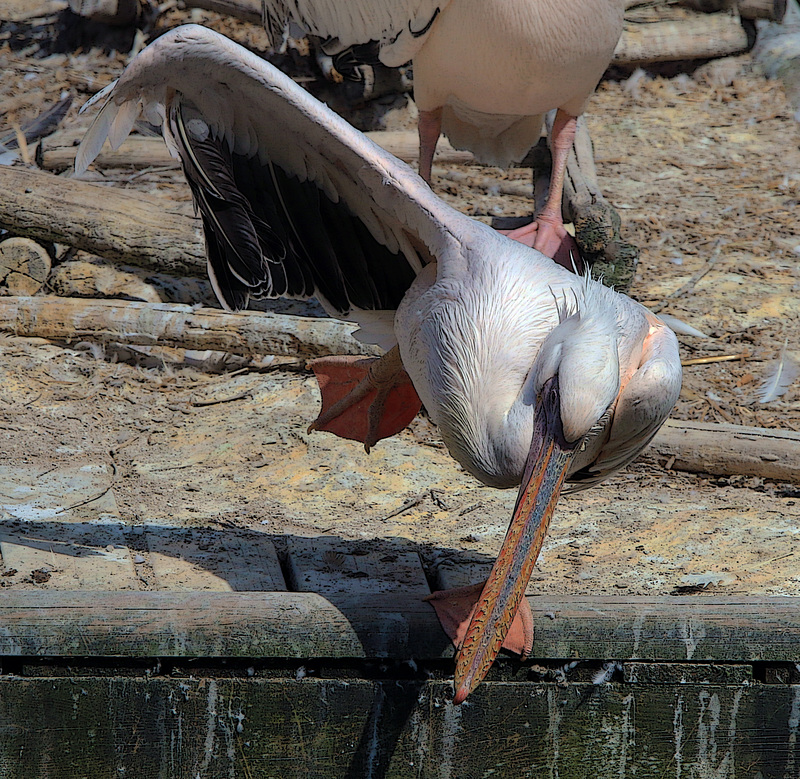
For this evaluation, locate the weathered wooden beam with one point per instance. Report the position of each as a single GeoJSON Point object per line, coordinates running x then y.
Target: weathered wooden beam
{"type": "Point", "coordinates": [725, 450]}
{"type": "Point", "coordinates": [199, 724]}
{"type": "Point", "coordinates": [396, 626]}
{"type": "Point", "coordinates": [118, 321]}
{"type": "Point", "coordinates": [136, 229]}
{"type": "Point", "coordinates": [703, 36]}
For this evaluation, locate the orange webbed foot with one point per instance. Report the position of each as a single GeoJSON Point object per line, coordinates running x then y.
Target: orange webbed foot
{"type": "Point", "coordinates": [454, 609]}
{"type": "Point", "coordinates": [364, 398]}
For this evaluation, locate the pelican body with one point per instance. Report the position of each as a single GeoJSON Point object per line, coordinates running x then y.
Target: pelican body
{"type": "Point", "coordinates": [533, 375]}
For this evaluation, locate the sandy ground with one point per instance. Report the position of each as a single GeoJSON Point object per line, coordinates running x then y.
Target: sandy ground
{"type": "Point", "coordinates": [705, 173]}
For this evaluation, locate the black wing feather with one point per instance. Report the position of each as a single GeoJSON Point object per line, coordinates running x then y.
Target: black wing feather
{"type": "Point", "coordinates": [268, 234]}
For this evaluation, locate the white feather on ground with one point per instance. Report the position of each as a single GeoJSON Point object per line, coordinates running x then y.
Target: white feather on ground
{"type": "Point", "coordinates": [781, 375]}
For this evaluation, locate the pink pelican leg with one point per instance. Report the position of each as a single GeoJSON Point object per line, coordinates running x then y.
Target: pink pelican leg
{"type": "Point", "coordinates": [364, 398]}
{"type": "Point", "coordinates": [429, 128]}
{"type": "Point", "coordinates": [547, 233]}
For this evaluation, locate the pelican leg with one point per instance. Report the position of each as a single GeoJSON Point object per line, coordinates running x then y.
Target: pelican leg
{"type": "Point", "coordinates": [455, 608]}
{"type": "Point", "coordinates": [364, 398]}
{"type": "Point", "coordinates": [547, 233]}
{"type": "Point", "coordinates": [429, 128]}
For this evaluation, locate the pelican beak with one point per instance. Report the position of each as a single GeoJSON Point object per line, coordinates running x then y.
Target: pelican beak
{"type": "Point", "coordinates": [545, 471]}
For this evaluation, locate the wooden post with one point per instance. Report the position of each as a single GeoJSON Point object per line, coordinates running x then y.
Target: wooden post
{"type": "Point", "coordinates": [24, 266]}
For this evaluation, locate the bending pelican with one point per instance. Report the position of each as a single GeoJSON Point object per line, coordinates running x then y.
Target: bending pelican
{"type": "Point", "coordinates": [533, 375]}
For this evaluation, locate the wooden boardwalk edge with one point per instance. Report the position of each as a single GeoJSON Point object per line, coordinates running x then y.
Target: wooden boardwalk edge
{"type": "Point", "coordinates": [308, 625]}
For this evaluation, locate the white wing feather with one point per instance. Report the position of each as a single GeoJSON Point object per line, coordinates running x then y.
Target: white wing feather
{"type": "Point", "coordinates": [257, 109]}
{"type": "Point", "coordinates": [781, 376]}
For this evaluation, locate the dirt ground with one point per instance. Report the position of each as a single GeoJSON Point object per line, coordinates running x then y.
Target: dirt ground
{"type": "Point", "coordinates": [705, 172]}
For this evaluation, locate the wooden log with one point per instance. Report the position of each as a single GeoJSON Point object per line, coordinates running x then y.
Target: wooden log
{"type": "Point", "coordinates": [246, 10]}
{"type": "Point", "coordinates": [709, 6]}
{"type": "Point", "coordinates": [118, 321]}
{"type": "Point", "coordinates": [24, 266]}
{"type": "Point", "coordinates": [57, 152]}
{"type": "Point", "coordinates": [773, 10]}
{"type": "Point", "coordinates": [397, 626]}
{"type": "Point", "coordinates": [748, 9]}
{"type": "Point", "coordinates": [696, 37]}
{"type": "Point", "coordinates": [137, 229]}
{"type": "Point", "coordinates": [404, 144]}
{"type": "Point", "coordinates": [82, 279]}
{"type": "Point", "coordinates": [725, 450]}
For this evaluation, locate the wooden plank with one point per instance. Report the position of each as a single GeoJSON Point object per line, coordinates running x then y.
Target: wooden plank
{"type": "Point", "coordinates": [297, 625]}
{"type": "Point", "coordinates": [448, 575]}
{"type": "Point", "coordinates": [331, 567]}
{"type": "Point", "coordinates": [60, 528]}
{"type": "Point", "coordinates": [65, 728]}
{"type": "Point", "coordinates": [236, 560]}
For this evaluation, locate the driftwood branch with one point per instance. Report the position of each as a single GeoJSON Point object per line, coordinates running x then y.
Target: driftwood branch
{"type": "Point", "coordinates": [246, 333]}
{"type": "Point", "coordinates": [726, 450]}
{"type": "Point", "coordinates": [57, 152]}
{"type": "Point", "coordinates": [136, 229]}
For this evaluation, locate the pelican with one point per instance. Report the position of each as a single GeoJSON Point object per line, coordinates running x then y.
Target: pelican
{"type": "Point", "coordinates": [532, 374]}
{"type": "Point", "coordinates": [485, 72]}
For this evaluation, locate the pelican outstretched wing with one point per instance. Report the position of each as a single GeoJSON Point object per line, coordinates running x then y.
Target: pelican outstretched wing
{"type": "Point", "coordinates": [295, 202]}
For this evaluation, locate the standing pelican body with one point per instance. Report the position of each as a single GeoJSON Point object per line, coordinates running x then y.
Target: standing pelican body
{"type": "Point", "coordinates": [485, 72]}
{"type": "Point", "coordinates": [532, 374]}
